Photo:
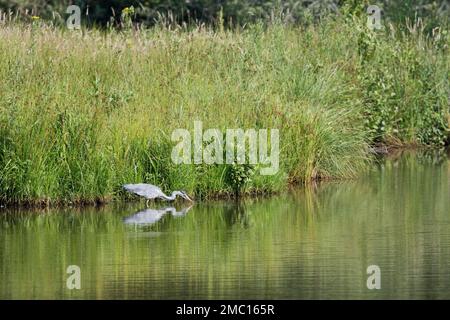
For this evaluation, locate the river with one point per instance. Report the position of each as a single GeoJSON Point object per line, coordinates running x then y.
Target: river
{"type": "Point", "coordinates": [308, 243]}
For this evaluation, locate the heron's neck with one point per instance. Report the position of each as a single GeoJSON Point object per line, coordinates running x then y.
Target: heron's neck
{"type": "Point", "coordinates": [171, 197]}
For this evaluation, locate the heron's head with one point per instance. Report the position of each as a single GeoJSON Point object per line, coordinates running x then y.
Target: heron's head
{"type": "Point", "coordinates": [184, 195]}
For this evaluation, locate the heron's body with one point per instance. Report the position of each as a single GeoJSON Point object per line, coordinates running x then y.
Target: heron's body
{"type": "Point", "coordinates": [149, 192]}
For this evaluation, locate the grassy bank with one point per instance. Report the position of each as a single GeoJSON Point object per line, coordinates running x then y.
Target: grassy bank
{"type": "Point", "coordinates": [83, 113]}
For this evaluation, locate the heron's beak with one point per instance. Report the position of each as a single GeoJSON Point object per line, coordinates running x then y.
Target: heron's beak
{"type": "Point", "coordinates": [187, 198]}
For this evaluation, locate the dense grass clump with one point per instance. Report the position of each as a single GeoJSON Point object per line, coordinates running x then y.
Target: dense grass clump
{"type": "Point", "coordinates": [83, 112]}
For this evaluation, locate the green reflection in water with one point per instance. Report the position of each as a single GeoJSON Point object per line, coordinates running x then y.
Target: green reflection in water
{"type": "Point", "coordinates": [313, 243]}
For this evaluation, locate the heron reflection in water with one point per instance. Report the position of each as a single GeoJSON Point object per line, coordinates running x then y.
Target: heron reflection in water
{"type": "Point", "coordinates": [151, 216]}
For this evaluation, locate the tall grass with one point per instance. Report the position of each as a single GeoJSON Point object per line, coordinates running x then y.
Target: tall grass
{"type": "Point", "coordinates": [83, 112]}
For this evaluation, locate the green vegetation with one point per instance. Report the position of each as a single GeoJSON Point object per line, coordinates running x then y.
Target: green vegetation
{"type": "Point", "coordinates": [405, 82]}
{"type": "Point", "coordinates": [83, 112]}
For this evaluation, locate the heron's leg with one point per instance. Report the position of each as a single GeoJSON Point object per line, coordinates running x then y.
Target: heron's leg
{"type": "Point", "coordinates": [146, 202]}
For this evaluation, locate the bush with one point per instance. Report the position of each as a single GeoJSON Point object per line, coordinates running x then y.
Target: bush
{"type": "Point", "coordinates": [404, 77]}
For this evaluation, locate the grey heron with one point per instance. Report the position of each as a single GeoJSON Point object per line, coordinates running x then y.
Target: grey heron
{"type": "Point", "coordinates": [149, 192]}
{"type": "Point", "coordinates": [151, 216]}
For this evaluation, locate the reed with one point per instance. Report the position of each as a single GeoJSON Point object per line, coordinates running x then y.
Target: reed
{"type": "Point", "coordinates": [82, 113]}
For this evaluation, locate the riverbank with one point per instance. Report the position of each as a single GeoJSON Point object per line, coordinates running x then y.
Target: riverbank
{"type": "Point", "coordinates": [83, 113]}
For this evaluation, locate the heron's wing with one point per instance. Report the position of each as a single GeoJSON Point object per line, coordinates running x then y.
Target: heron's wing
{"type": "Point", "coordinates": [148, 191]}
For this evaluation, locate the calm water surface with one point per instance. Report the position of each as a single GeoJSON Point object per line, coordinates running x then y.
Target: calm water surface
{"type": "Point", "coordinates": [304, 244]}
